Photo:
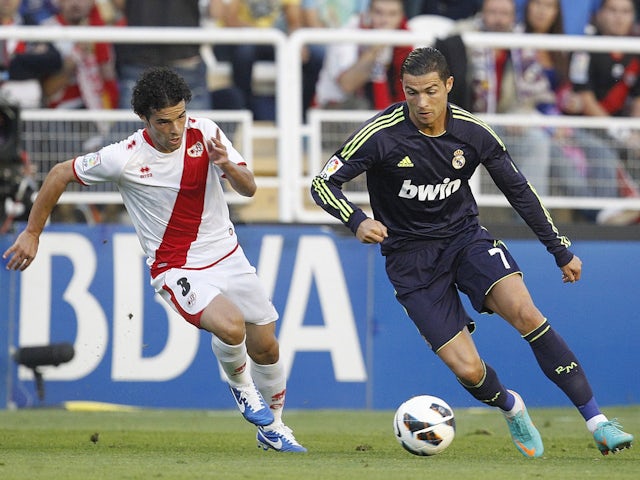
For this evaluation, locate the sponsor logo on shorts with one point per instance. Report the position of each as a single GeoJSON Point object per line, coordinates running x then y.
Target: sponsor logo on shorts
{"type": "Point", "coordinates": [191, 300]}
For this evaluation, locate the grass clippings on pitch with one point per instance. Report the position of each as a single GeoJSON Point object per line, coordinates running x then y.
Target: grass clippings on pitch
{"type": "Point", "coordinates": [175, 444]}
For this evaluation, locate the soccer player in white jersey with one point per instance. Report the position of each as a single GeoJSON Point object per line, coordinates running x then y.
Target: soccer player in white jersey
{"type": "Point", "coordinates": [168, 174]}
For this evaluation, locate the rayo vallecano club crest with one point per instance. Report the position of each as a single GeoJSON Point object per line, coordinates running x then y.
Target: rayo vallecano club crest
{"type": "Point", "coordinates": [196, 150]}
{"type": "Point", "coordinates": [458, 159]}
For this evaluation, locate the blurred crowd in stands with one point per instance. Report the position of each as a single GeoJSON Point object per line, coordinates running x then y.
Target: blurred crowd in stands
{"type": "Point", "coordinates": [561, 161]}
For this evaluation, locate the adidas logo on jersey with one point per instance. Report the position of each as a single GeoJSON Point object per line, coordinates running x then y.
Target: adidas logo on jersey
{"type": "Point", "coordinates": [405, 162]}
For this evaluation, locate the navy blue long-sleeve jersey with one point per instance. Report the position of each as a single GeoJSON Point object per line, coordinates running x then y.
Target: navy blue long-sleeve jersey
{"type": "Point", "coordinates": [419, 185]}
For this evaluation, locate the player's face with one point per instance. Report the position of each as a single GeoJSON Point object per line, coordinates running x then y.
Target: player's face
{"type": "Point", "coordinates": [427, 101]}
{"type": "Point", "coordinates": [166, 127]}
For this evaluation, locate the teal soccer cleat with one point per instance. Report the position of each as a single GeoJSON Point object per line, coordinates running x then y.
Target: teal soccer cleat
{"type": "Point", "coordinates": [609, 437]}
{"type": "Point", "coordinates": [524, 434]}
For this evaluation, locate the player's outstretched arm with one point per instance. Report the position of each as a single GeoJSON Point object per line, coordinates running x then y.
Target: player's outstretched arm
{"type": "Point", "coordinates": [572, 271]}
{"type": "Point", "coordinates": [24, 249]}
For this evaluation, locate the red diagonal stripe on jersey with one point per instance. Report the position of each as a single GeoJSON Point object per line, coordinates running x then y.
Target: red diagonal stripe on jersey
{"type": "Point", "coordinates": [186, 216]}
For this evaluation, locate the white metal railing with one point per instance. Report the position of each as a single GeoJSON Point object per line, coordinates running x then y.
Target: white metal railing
{"type": "Point", "coordinates": [293, 178]}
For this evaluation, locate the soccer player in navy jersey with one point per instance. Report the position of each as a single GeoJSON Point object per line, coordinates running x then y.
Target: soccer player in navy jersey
{"type": "Point", "coordinates": [418, 156]}
{"type": "Point", "coordinates": [169, 175]}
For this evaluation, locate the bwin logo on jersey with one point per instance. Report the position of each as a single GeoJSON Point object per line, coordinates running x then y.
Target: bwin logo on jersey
{"type": "Point", "coordinates": [439, 191]}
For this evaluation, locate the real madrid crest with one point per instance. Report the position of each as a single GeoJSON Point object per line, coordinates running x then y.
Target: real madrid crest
{"type": "Point", "coordinates": [458, 159]}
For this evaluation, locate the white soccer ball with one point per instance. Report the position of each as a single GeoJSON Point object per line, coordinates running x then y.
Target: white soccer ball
{"type": "Point", "coordinates": [424, 425]}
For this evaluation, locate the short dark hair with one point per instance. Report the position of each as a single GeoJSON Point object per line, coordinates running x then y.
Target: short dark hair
{"type": "Point", "coordinates": [157, 88]}
{"type": "Point", "coordinates": [425, 60]}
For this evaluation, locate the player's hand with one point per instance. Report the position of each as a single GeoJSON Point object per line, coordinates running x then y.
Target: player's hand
{"type": "Point", "coordinates": [22, 252]}
{"type": "Point", "coordinates": [572, 271]}
{"type": "Point", "coordinates": [371, 231]}
{"type": "Point", "coordinates": [217, 150]}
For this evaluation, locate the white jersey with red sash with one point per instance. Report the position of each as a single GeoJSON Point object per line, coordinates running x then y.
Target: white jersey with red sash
{"type": "Point", "coordinates": [175, 200]}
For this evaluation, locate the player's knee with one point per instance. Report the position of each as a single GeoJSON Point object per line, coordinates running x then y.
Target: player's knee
{"type": "Point", "coordinates": [527, 318]}
{"type": "Point", "coordinates": [470, 374]}
{"type": "Point", "coordinates": [265, 353]}
{"type": "Point", "coordinates": [229, 329]}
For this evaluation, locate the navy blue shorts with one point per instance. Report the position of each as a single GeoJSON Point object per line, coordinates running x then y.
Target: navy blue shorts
{"type": "Point", "coordinates": [428, 280]}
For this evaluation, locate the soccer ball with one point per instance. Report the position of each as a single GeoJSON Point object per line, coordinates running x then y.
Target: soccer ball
{"type": "Point", "coordinates": [424, 425]}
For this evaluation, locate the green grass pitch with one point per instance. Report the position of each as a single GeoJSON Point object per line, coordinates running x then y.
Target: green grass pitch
{"type": "Point", "coordinates": [184, 444]}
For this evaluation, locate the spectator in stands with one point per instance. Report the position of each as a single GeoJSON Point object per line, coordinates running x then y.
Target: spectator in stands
{"type": "Point", "coordinates": [23, 64]}
{"type": "Point", "coordinates": [88, 76]}
{"type": "Point", "coordinates": [186, 60]}
{"type": "Point", "coordinates": [453, 9]}
{"type": "Point", "coordinates": [284, 14]}
{"type": "Point", "coordinates": [330, 13]}
{"type": "Point", "coordinates": [609, 85]}
{"type": "Point", "coordinates": [577, 16]}
{"type": "Point", "coordinates": [365, 76]}
{"type": "Point", "coordinates": [503, 81]}
{"type": "Point", "coordinates": [38, 10]}
{"type": "Point", "coordinates": [582, 165]}
{"type": "Point", "coordinates": [87, 80]}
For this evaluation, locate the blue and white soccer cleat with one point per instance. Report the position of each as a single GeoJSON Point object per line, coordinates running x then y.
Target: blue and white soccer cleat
{"type": "Point", "coordinates": [279, 438]}
{"type": "Point", "coordinates": [251, 404]}
{"type": "Point", "coordinates": [609, 437]}
{"type": "Point", "coordinates": [524, 434]}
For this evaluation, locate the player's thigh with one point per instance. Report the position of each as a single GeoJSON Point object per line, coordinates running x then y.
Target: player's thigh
{"type": "Point", "coordinates": [246, 291]}
{"type": "Point", "coordinates": [482, 265]}
{"type": "Point", "coordinates": [511, 299]}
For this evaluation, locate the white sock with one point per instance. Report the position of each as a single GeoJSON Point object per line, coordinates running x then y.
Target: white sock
{"type": "Point", "coordinates": [593, 422]}
{"type": "Point", "coordinates": [272, 383]}
{"type": "Point", "coordinates": [233, 359]}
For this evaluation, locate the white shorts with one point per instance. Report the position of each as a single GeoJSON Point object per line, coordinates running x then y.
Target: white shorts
{"type": "Point", "coordinates": [189, 291]}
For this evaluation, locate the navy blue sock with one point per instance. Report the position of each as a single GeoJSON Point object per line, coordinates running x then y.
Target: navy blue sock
{"type": "Point", "coordinates": [589, 409]}
{"type": "Point", "coordinates": [560, 365]}
{"type": "Point", "coordinates": [490, 390]}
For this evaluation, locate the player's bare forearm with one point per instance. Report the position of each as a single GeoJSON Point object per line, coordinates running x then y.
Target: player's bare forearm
{"type": "Point", "coordinates": [24, 249]}
{"type": "Point", "coordinates": [241, 179]}
{"type": "Point", "coordinates": [53, 186]}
